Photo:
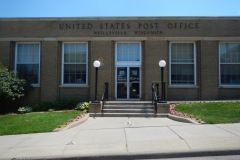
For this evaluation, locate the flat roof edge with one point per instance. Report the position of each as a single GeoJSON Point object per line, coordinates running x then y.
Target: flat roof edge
{"type": "Point", "coordinates": [122, 18]}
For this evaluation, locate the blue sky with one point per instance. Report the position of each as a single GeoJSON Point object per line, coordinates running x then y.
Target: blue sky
{"type": "Point", "coordinates": [99, 8]}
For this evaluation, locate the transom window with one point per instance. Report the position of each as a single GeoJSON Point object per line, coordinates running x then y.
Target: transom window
{"type": "Point", "coordinates": [27, 62]}
{"type": "Point", "coordinates": [74, 63]}
{"type": "Point", "coordinates": [229, 63]}
{"type": "Point", "coordinates": [128, 52]}
{"type": "Point", "coordinates": [182, 64]}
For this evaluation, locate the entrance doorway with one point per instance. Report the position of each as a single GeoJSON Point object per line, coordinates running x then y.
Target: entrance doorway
{"type": "Point", "coordinates": [128, 71]}
{"type": "Point", "coordinates": [128, 82]}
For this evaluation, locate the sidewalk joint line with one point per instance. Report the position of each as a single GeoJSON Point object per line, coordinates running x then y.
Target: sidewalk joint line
{"type": "Point", "coordinates": [226, 130]}
{"type": "Point", "coordinates": [130, 127]}
{"type": "Point", "coordinates": [180, 137]}
{"type": "Point", "coordinates": [20, 142]}
{"type": "Point", "coordinates": [71, 141]}
{"type": "Point", "coordinates": [126, 140]}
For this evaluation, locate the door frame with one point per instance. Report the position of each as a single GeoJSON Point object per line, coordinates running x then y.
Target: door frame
{"type": "Point", "coordinates": [128, 77]}
{"type": "Point", "coordinates": [129, 64]}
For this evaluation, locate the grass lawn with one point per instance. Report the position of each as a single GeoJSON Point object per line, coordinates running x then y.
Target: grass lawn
{"type": "Point", "coordinates": [34, 122]}
{"type": "Point", "coordinates": [213, 112]}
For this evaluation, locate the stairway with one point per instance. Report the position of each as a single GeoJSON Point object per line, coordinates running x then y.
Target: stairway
{"type": "Point", "coordinates": [127, 109]}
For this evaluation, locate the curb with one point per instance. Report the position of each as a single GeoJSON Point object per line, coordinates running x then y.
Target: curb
{"type": "Point", "coordinates": [76, 123]}
{"type": "Point", "coordinates": [182, 119]}
{"type": "Point", "coordinates": [130, 156]}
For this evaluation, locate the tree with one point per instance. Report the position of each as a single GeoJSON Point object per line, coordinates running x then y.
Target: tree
{"type": "Point", "coordinates": [11, 87]}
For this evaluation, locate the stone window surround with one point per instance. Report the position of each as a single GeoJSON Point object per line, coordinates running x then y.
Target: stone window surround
{"type": "Point", "coordinates": [62, 65]}
{"type": "Point", "coordinates": [195, 65]}
{"type": "Point", "coordinates": [219, 52]}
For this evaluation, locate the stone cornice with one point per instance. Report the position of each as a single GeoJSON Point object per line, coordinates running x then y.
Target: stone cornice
{"type": "Point", "coordinates": [121, 18]}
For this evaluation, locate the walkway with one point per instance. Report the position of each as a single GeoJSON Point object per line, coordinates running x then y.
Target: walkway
{"type": "Point", "coordinates": [124, 138]}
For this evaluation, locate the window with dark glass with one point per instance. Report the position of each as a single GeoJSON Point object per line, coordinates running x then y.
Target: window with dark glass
{"type": "Point", "coordinates": [75, 63]}
{"type": "Point", "coordinates": [229, 63]}
{"type": "Point", "coordinates": [27, 60]}
{"type": "Point", "coordinates": [182, 64]}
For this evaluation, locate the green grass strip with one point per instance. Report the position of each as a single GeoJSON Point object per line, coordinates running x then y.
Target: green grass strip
{"type": "Point", "coordinates": [213, 112]}
{"type": "Point", "coordinates": [34, 122]}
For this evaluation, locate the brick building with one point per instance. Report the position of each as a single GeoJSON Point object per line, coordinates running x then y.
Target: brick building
{"type": "Point", "coordinates": [56, 55]}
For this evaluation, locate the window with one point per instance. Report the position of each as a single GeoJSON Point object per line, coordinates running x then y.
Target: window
{"type": "Point", "coordinates": [74, 64]}
{"type": "Point", "coordinates": [182, 64]}
{"type": "Point", "coordinates": [128, 52]}
{"type": "Point", "coordinates": [229, 63]}
{"type": "Point", "coordinates": [27, 62]}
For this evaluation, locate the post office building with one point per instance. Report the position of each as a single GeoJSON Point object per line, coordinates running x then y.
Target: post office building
{"type": "Point", "coordinates": [56, 56]}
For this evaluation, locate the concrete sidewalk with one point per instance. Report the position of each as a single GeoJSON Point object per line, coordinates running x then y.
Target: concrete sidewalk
{"type": "Point", "coordinates": [125, 138]}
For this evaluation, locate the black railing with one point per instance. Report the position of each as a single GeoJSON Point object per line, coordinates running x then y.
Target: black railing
{"type": "Point", "coordinates": [105, 94]}
{"type": "Point", "coordinates": [158, 84]}
{"type": "Point", "coordinates": [154, 97]}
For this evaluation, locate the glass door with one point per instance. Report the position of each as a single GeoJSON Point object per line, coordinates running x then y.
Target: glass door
{"type": "Point", "coordinates": [128, 83]}
{"type": "Point", "coordinates": [122, 88]}
{"type": "Point", "coordinates": [134, 82]}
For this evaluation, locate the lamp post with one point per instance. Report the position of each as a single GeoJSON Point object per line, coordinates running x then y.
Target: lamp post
{"type": "Point", "coordinates": [96, 64]}
{"type": "Point", "coordinates": [162, 64]}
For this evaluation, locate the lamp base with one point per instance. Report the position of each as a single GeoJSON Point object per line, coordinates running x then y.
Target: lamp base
{"type": "Point", "coordinates": [161, 101]}
{"type": "Point", "coordinates": [95, 101]}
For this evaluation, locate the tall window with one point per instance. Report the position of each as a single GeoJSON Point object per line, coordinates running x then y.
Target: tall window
{"type": "Point", "coordinates": [27, 62]}
{"type": "Point", "coordinates": [74, 63]}
{"type": "Point", "coordinates": [182, 64]}
{"type": "Point", "coordinates": [229, 63]}
{"type": "Point", "coordinates": [128, 52]}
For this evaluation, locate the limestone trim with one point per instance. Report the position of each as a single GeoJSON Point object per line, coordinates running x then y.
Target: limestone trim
{"type": "Point", "coordinates": [122, 18]}
{"type": "Point", "coordinates": [84, 39]}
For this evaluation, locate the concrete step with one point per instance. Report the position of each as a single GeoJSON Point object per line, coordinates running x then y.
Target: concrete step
{"type": "Point", "coordinates": [142, 110]}
{"type": "Point", "coordinates": [123, 115]}
{"type": "Point", "coordinates": [128, 102]}
{"type": "Point", "coordinates": [128, 107]}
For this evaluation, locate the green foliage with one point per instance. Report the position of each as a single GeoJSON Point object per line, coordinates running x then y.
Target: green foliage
{"type": "Point", "coordinates": [26, 109]}
{"type": "Point", "coordinates": [45, 106]}
{"type": "Point", "coordinates": [11, 87]}
{"type": "Point", "coordinates": [50, 110]}
{"type": "Point", "coordinates": [213, 112]}
{"type": "Point", "coordinates": [59, 104]}
{"type": "Point", "coordinates": [82, 107]}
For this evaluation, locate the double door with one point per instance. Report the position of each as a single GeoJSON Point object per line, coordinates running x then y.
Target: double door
{"type": "Point", "coordinates": [128, 82]}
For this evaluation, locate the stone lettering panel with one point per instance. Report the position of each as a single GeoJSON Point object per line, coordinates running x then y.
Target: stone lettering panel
{"type": "Point", "coordinates": [125, 27]}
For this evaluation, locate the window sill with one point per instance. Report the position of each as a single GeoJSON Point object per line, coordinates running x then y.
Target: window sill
{"type": "Point", "coordinates": [73, 86]}
{"type": "Point", "coordinates": [237, 86]}
{"type": "Point", "coordinates": [176, 86]}
{"type": "Point", "coordinates": [35, 85]}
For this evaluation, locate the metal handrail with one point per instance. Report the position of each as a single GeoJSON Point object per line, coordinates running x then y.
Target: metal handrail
{"type": "Point", "coordinates": [104, 94]}
{"type": "Point", "coordinates": [162, 98]}
{"type": "Point", "coordinates": [154, 97]}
